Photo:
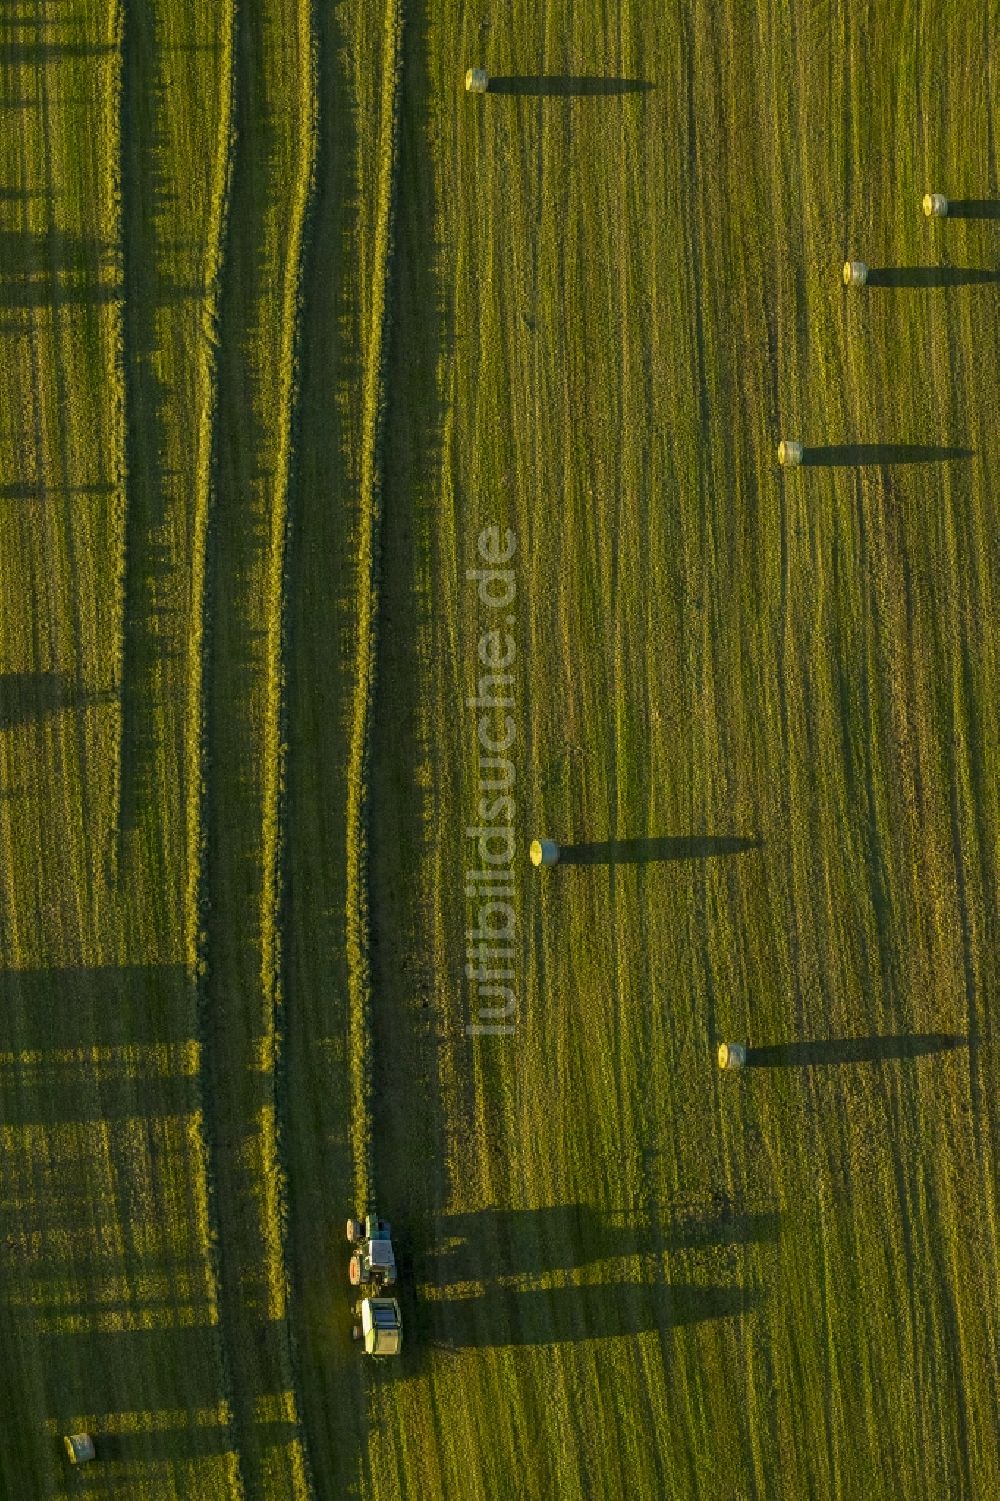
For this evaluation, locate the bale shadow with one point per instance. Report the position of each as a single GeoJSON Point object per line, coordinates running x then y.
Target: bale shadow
{"type": "Point", "coordinates": [182, 1445]}
{"type": "Point", "coordinates": [652, 850]}
{"type": "Point", "coordinates": [567, 86]}
{"type": "Point", "coordinates": [504, 1317]}
{"type": "Point", "coordinates": [841, 1050]}
{"type": "Point", "coordinates": [974, 208]}
{"type": "Point", "coordinates": [847, 455]}
{"type": "Point", "coordinates": [932, 276]}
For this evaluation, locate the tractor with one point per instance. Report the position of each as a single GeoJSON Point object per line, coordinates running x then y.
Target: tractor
{"type": "Point", "coordinates": [378, 1321]}
{"type": "Point", "coordinates": [373, 1262]}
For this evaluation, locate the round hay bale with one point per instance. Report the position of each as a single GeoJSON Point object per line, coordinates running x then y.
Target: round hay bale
{"type": "Point", "coordinates": [477, 81]}
{"type": "Point", "coordinates": [935, 205]}
{"type": "Point", "coordinates": [732, 1055]}
{"type": "Point", "coordinates": [789, 453]}
{"type": "Point", "coordinates": [79, 1448]}
{"type": "Point", "coordinates": [855, 273]}
{"type": "Point", "coordinates": [544, 852]}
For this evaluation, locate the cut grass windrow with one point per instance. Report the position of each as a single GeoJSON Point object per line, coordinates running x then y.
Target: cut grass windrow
{"type": "Point", "coordinates": [111, 131]}
{"type": "Point", "coordinates": [373, 423]}
{"type": "Point", "coordinates": [271, 184]}
{"type": "Point", "coordinates": [208, 404]}
{"type": "Point", "coordinates": [195, 784]}
{"type": "Point", "coordinates": [274, 748]}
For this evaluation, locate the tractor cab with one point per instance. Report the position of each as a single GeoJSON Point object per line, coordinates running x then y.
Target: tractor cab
{"type": "Point", "coordinates": [380, 1326]}
{"type": "Point", "coordinates": [373, 1261]}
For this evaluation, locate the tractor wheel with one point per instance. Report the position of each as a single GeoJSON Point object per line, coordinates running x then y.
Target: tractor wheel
{"type": "Point", "coordinates": [354, 1271]}
{"type": "Point", "coordinates": [355, 1331]}
{"type": "Point", "coordinates": [355, 1231]}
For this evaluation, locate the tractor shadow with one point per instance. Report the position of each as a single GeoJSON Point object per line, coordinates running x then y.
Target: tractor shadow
{"type": "Point", "coordinates": [932, 276]}
{"type": "Point", "coordinates": [504, 1317]}
{"type": "Point", "coordinates": [850, 455]}
{"type": "Point", "coordinates": [567, 86]}
{"type": "Point", "coordinates": [841, 1050]}
{"type": "Point", "coordinates": [494, 1246]}
{"type": "Point", "coordinates": [653, 850]}
{"type": "Point", "coordinates": [488, 1244]}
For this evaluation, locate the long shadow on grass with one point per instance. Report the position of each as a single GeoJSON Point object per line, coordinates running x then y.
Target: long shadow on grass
{"type": "Point", "coordinates": [850, 455]}
{"type": "Point", "coordinates": [491, 1243]}
{"type": "Point", "coordinates": [504, 1316]}
{"type": "Point", "coordinates": [90, 1371]}
{"type": "Point", "coordinates": [839, 1050]}
{"type": "Point", "coordinates": [567, 86]}
{"type": "Point", "coordinates": [72, 1094]}
{"type": "Point", "coordinates": [649, 851]}
{"type": "Point", "coordinates": [76, 1006]}
{"type": "Point", "coordinates": [168, 1370]}
{"type": "Point", "coordinates": [932, 276]}
{"type": "Point", "coordinates": [26, 697]}
{"type": "Point", "coordinates": [41, 491]}
{"type": "Point", "coordinates": [40, 54]}
{"type": "Point", "coordinates": [974, 208]}
{"type": "Point", "coordinates": [61, 269]}
{"type": "Point", "coordinates": [181, 1445]}
{"type": "Point", "coordinates": [40, 267]}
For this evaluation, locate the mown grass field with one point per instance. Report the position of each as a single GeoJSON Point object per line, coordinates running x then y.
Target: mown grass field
{"type": "Point", "coordinates": [282, 330]}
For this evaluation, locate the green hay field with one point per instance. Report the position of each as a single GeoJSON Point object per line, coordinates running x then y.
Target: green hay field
{"type": "Point", "coordinates": [288, 323]}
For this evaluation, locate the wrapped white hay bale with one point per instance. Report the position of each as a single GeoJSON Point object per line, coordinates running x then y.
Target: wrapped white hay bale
{"type": "Point", "coordinates": [79, 1448]}
{"type": "Point", "coordinates": [732, 1055]}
